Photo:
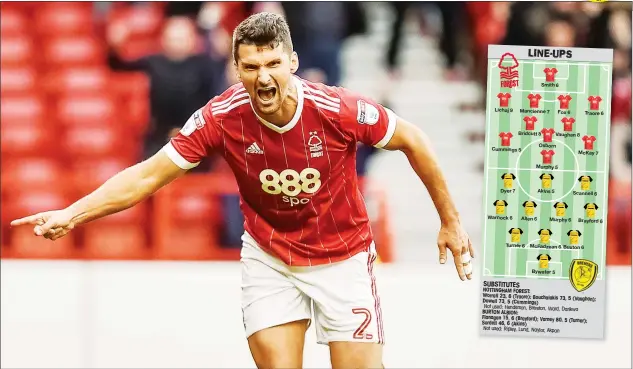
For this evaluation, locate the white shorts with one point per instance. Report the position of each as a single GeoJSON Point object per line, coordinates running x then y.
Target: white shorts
{"type": "Point", "coordinates": [343, 295]}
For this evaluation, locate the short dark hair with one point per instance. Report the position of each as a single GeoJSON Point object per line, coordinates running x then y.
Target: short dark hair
{"type": "Point", "coordinates": [262, 29]}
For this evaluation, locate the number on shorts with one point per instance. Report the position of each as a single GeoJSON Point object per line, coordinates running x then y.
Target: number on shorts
{"type": "Point", "coordinates": [290, 182]}
{"type": "Point", "coordinates": [360, 334]}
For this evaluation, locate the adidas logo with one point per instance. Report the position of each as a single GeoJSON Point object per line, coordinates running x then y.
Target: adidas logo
{"type": "Point", "coordinates": [254, 149]}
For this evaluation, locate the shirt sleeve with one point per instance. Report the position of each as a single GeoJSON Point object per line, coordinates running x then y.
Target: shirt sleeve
{"type": "Point", "coordinates": [196, 139]}
{"type": "Point", "coordinates": [365, 120]}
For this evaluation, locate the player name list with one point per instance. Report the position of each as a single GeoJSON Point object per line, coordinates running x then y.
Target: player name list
{"type": "Point", "coordinates": [524, 307]}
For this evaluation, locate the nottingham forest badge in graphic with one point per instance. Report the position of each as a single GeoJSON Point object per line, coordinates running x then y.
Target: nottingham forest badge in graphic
{"type": "Point", "coordinates": [509, 73]}
{"type": "Point", "coordinates": [582, 274]}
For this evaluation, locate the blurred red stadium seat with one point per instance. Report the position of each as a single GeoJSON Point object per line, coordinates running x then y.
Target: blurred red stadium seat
{"type": "Point", "coordinates": [130, 85]}
{"type": "Point", "coordinates": [118, 236]}
{"type": "Point", "coordinates": [137, 113]}
{"type": "Point", "coordinates": [186, 218]}
{"type": "Point", "coordinates": [19, 175]}
{"type": "Point", "coordinates": [87, 110]}
{"type": "Point", "coordinates": [132, 90]}
{"type": "Point", "coordinates": [16, 51]}
{"type": "Point", "coordinates": [23, 243]}
{"type": "Point", "coordinates": [89, 173]}
{"type": "Point", "coordinates": [20, 141]}
{"type": "Point", "coordinates": [104, 141]}
{"type": "Point", "coordinates": [17, 80]}
{"type": "Point", "coordinates": [182, 221]}
{"type": "Point", "coordinates": [12, 22]}
{"type": "Point", "coordinates": [619, 235]}
{"type": "Point", "coordinates": [143, 20]}
{"type": "Point", "coordinates": [137, 47]}
{"type": "Point", "coordinates": [22, 110]}
{"type": "Point", "coordinates": [77, 80]}
{"type": "Point", "coordinates": [73, 52]}
{"type": "Point", "coordinates": [64, 18]}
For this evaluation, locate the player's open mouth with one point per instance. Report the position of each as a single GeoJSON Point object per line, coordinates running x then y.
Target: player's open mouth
{"type": "Point", "coordinates": [266, 94]}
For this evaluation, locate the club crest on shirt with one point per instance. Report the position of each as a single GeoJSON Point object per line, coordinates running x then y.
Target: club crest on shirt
{"type": "Point", "coordinates": [316, 145]}
{"type": "Point", "coordinates": [367, 113]}
{"type": "Point", "coordinates": [195, 121]}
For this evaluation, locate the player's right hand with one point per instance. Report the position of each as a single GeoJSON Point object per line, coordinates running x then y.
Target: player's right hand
{"type": "Point", "coordinates": [51, 224]}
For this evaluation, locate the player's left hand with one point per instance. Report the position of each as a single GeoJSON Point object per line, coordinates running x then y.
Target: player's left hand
{"type": "Point", "coordinates": [454, 238]}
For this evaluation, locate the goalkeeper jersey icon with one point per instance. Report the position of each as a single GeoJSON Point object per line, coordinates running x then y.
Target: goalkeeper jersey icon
{"type": "Point", "coordinates": [543, 261]}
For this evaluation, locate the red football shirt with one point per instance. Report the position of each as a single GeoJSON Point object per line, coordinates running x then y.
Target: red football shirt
{"type": "Point", "coordinates": [594, 102]}
{"type": "Point", "coordinates": [547, 156]}
{"type": "Point", "coordinates": [589, 140]}
{"type": "Point", "coordinates": [504, 99]}
{"type": "Point", "coordinates": [564, 101]}
{"type": "Point", "coordinates": [298, 184]}
{"type": "Point", "coordinates": [505, 138]}
{"type": "Point", "coordinates": [547, 134]}
{"type": "Point", "coordinates": [534, 99]}
{"type": "Point", "coordinates": [550, 74]}
{"type": "Point", "coordinates": [529, 123]}
{"type": "Point", "coordinates": [568, 124]}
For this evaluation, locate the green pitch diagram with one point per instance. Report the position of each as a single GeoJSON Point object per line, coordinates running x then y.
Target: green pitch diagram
{"type": "Point", "coordinates": [546, 162]}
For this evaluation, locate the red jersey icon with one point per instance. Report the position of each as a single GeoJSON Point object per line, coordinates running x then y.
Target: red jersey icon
{"type": "Point", "coordinates": [589, 140]}
{"type": "Point", "coordinates": [547, 156]}
{"type": "Point", "coordinates": [529, 123]}
{"type": "Point", "coordinates": [504, 99]}
{"type": "Point", "coordinates": [534, 99]}
{"type": "Point", "coordinates": [505, 138]}
{"type": "Point", "coordinates": [547, 134]}
{"type": "Point", "coordinates": [564, 101]}
{"type": "Point", "coordinates": [550, 74]}
{"type": "Point", "coordinates": [594, 102]}
{"type": "Point", "coordinates": [568, 124]}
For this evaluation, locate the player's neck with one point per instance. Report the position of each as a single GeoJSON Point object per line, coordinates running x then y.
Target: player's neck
{"type": "Point", "coordinates": [289, 106]}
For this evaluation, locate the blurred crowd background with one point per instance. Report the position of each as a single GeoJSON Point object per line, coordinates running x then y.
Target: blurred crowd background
{"type": "Point", "coordinates": [88, 89]}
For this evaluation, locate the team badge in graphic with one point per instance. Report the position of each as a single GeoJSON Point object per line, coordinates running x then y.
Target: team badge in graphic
{"type": "Point", "coordinates": [509, 71]}
{"type": "Point", "coordinates": [582, 274]}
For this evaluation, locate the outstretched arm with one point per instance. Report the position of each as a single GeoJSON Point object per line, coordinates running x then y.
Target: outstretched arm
{"type": "Point", "coordinates": [415, 144]}
{"type": "Point", "coordinates": [122, 191]}
{"type": "Point", "coordinates": [127, 188]}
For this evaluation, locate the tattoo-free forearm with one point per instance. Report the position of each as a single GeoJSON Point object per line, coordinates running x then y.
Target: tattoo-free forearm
{"type": "Point", "coordinates": [425, 164]}
{"type": "Point", "coordinates": [122, 191]}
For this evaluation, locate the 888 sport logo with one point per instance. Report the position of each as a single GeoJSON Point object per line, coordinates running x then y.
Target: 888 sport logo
{"type": "Point", "coordinates": [290, 184]}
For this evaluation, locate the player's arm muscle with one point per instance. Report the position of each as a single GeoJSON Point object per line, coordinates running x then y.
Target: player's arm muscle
{"type": "Point", "coordinates": [127, 188]}
{"type": "Point", "coordinates": [416, 145]}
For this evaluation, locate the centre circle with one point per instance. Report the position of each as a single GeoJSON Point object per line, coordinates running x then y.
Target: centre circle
{"type": "Point", "coordinates": [577, 170]}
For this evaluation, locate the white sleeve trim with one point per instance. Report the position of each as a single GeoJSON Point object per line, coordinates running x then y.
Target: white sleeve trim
{"type": "Point", "coordinates": [175, 156]}
{"type": "Point", "coordinates": [391, 128]}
